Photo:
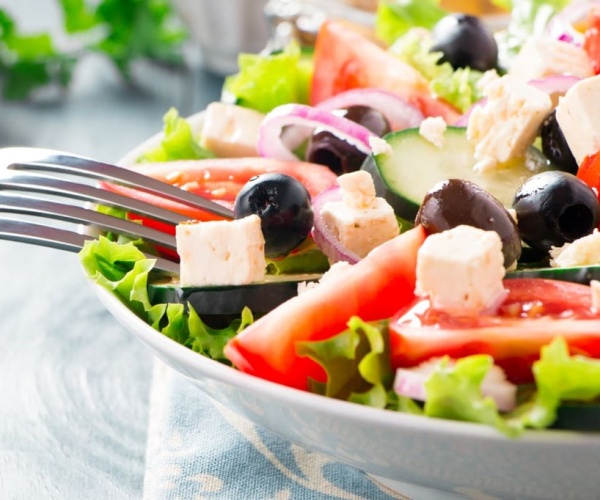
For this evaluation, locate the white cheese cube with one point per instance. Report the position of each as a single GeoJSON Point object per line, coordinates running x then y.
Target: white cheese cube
{"type": "Point", "coordinates": [221, 252]}
{"type": "Point", "coordinates": [507, 124]}
{"type": "Point", "coordinates": [358, 189]}
{"type": "Point", "coordinates": [541, 57]}
{"type": "Point", "coordinates": [360, 230]}
{"type": "Point", "coordinates": [583, 251]}
{"type": "Point", "coordinates": [578, 115]}
{"type": "Point", "coordinates": [432, 129]}
{"type": "Point", "coordinates": [230, 130]}
{"type": "Point", "coordinates": [461, 270]}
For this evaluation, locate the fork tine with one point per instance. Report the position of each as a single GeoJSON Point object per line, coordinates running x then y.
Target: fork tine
{"type": "Point", "coordinates": [53, 161]}
{"type": "Point", "coordinates": [59, 187]}
{"type": "Point", "coordinates": [52, 237]}
{"type": "Point", "coordinates": [80, 215]}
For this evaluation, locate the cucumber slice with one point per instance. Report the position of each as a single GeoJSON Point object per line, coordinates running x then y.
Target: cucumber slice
{"type": "Point", "coordinates": [579, 274]}
{"type": "Point", "coordinates": [219, 305]}
{"type": "Point", "coordinates": [578, 417]}
{"type": "Point", "coordinates": [416, 165]}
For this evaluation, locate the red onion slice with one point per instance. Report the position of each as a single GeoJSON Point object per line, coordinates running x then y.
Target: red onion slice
{"type": "Point", "coordinates": [399, 113]}
{"type": "Point", "coordinates": [325, 239]}
{"type": "Point", "coordinates": [555, 85]}
{"type": "Point", "coordinates": [410, 382]}
{"type": "Point", "coordinates": [270, 143]}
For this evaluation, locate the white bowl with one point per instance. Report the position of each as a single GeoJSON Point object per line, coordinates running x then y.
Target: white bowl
{"type": "Point", "coordinates": [469, 459]}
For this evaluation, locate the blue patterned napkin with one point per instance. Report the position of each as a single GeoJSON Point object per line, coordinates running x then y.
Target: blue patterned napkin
{"type": "Point", "coordinates": [198, 449]}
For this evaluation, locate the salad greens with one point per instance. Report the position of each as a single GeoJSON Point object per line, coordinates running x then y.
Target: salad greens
{"type": "Point", "coordinates": [395, 18]}
{"type": "Point", "coordinates": [458, 87]}
{"type": "Point", "coordinates": [124, 270]}
{"type": "Point", "coordinates": [122, 30]}
{"type": "Point", "coordinates": [178, 143]}
{"type": "Point", "coordinates": [265, 81]}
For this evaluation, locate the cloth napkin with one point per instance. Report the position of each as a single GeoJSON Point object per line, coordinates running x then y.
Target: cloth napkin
{"type": "Point", "coordinates": [199, 449]}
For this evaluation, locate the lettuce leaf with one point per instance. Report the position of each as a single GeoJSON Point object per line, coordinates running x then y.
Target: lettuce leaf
{"type": "Point", "coordinates": [307, 258]}
{"type": "Point", "coordinates": [266, 81]}
{"type": "Point", "coordinates": [395, 17]}
{"type": "Point", "coordinates": [178, 143]}
{"type": "Point", "coordinates": [124, 270]}
{"type": "Point", "coordinates": [454, 392]}
{"type": "Point", "coordinates": [458, 87]}
{"type": "Point", "coordinates": [562, 377]}
{"type": "Point", "coordinates": [356, 362]}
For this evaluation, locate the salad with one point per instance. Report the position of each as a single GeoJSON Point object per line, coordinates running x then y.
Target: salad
{"type": "Point", "coordinates": [415, 217]}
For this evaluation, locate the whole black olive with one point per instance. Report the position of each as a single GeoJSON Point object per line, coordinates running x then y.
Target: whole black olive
{"type": "Point", "coordinates": [554, 208]}
{"type": "Point", "coordinates": [284, 207]}
{"type": "Point", "coordinates": [456, 202]}
{"type": "Point", "coordinates": [339, 155]}
{"type": "Point", "coordinates": [555, 147]}
{"type": "Point", "coordinates": [464, 42]}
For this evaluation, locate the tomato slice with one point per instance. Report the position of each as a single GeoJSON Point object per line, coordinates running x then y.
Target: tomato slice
{"type": "Point", "coordinates": [533, 314]}
{"type": "Point", "coordinates": [373, 289]}
{"type": "Point", "coordinates": [589, 172]}
{"type": "Point", "coordinates": [219, 179]}
{"type": "Point", "coordinates": [345, 59]}
{"type": "Point", "coordinates": [591, 39]}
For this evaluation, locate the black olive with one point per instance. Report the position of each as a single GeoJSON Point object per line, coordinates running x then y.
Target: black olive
{"type": "Point", "coordinates": [456, 202]}
{"type": "Point", "coordinates": [284, 207]}
{"type": "Point", "coordinates": [554, 208]}
{"type": "Point", "coordinates": [339, 155]}
{"type": "Point", "coordinates": [464, 42]}
{"type": "Point", "coordinates": [555, 147]}
{"type": "Point", "coordinates": [369, 118]}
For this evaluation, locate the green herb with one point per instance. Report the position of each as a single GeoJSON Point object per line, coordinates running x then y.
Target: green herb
{"type": "Point", "coordinates": [122, 30]}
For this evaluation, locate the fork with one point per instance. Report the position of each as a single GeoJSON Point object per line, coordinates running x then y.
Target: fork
{"type": "Point", "coordinates": [32, 179]}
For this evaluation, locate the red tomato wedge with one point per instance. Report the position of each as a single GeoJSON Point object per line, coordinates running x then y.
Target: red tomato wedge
{"type": "Point", "coordinates": [533, 314]}
{"type": "Point", "coordinates": [220, 179]}
{"type": "Point", "coordinates": [373, 289]}
{"type": "Point", "coordinates": [589, 172]}
{"type": "Point", "coordinates": [591, 38]}
{"type": "Point", "coordinates": [345, 59]}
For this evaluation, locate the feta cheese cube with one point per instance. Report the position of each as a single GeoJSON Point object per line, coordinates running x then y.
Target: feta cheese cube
{"type": "Point", "coordinates": [432, 129]}
{"type": "Point", "coordinates": [507, 124]}
{"type": "Point", "coordinates": [360, 230]}
{"type": "Point", "coordinates": [541, 57]}
{"type": "Point", "coordinates": [221, 252]}
{"type": "Point", "coordinates": [361, 221]}
{"type": "Point", "coordinates": [230, 130]}
{"type": "Point", "coordinates": [358, 189]}
{"type": "Point", "coordinates": [584, 251]}
{"type": "Point", "coordinates": [461, 270]}
{"type": "Point", "coordinates": [578, 115]}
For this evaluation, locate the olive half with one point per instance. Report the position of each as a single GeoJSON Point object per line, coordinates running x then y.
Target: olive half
{"type": "Point", "coordinates": [456, 202]}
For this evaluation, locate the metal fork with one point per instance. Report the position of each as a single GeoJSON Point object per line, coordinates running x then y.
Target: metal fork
{"type": "Point", "coordinates": [31, 180]}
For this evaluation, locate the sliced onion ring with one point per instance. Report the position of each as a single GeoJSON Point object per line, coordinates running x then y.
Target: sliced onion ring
{"type": "Point", "coordinates": [329, 244]}
{"type": "Point", "coordinates": [397, 111]}
{"type": "Point", "coordinates": [410, 382]}
{"type": "Point", "coordinates": [555, 85]}
{"type": "Point", "coordinates": [270, 143]}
